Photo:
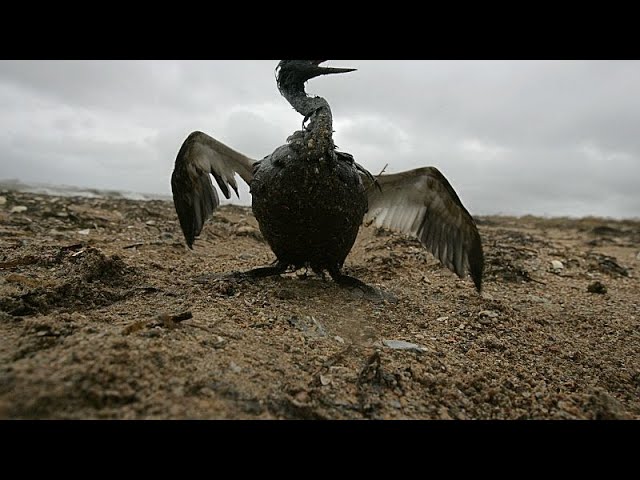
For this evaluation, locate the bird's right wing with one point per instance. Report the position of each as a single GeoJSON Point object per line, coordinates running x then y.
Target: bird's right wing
{"type": "Point", "coordinates": [421, 203]}
{"type": "Point", "coordinates": [194, 196]}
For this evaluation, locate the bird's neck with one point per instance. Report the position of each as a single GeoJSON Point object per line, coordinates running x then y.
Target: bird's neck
{"type": "Point", "coordinates": [316, 109]}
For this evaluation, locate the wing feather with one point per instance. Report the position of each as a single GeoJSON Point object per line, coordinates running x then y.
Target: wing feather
{"type": "Point", "coordinates": [194, 195]}
{"type": "Point", "coordinates": [423, 204]}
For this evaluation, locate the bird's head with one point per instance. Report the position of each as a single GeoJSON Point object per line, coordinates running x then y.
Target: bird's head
{"type": "Point", "coordinates": [292, 74]}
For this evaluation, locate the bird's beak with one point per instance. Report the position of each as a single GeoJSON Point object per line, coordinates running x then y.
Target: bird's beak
{"type": "Point", "coordinates": [328, 70]}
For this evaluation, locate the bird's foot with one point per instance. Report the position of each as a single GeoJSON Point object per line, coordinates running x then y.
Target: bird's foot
{"type": "Point", "coordinates": [276, 269]}
{"type": "Point", "coordinates": [359, 289]}
{"type": "Point", "coordinates": [373, 294]}
{"type": "Point", "coordinates": [261, 272]}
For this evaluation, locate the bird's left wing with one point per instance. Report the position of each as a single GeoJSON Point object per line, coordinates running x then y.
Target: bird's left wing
{"type": "Point", "coordinates": [194, 196]}
{"type": "Point", "coordinates": [421, 203]}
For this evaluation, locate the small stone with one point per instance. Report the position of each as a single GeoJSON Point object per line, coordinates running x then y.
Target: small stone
{"type": "Point", "coordinates": [441, 319]}
{"type": "Point", "coordinates": [402, 345]}
{"type": "Point", "coordinates": [3, 200]}
{"type": "Point", "coordinates": [234, 367]}
{"type": "Point", "coordinates": [339, 339]}
{"type": "Point", "coordinates": [443, 413]}
{"type": "Point", "coordinates": [557, 266]}
{"type": "Point", "coordinates": [86, 231]}
{"type": "Point", "coordinates": [150, 222]}
{"type": "Point", "coordinates": [597, 287]}
{"type": "Point", "coordinates": [638, 256]}
{"type": "Point", "coordinates": [18, 209]}
{"type": "Point", "coordinates": [492, 342]}
{"type": "Point", "coordinates": [302, 398]}
{"type": "Point", "coordinates": [325, 380]}
{"type": "Point", "coordinates": [488, 313]}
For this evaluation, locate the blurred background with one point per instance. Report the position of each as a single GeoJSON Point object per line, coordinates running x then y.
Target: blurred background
{"type": "Point", "coordinates": [553, 138]}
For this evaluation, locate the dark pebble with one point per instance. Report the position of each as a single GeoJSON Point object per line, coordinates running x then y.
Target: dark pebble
{"type": "Point", "coordinates": [597, 287]}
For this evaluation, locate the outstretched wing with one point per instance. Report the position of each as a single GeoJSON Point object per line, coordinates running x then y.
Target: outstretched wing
{"type": "Point", "coordinates": [421, 203]}
{"type": "Point", "coordinates": [194, 196]}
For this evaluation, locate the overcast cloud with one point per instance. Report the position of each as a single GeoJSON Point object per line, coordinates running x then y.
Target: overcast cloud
{"type": "Point", "coordinates": [513, 137]}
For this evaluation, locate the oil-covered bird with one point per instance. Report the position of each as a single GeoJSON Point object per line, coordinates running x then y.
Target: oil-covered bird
{"type": "Point", "coordinates": [310, 199]}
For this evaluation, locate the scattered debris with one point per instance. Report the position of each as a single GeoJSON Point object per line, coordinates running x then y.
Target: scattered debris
{"type": "Point", "coordinates": [492, 342]}
{"type": "Point", "coordinates": [372, 370]}
{"type": "Point", "coordinates": [163, 320]}
{"type": "Point", "coordinates": [308, 325]}
{"type": "Point", "coordinates": [402, 345]}
{"type": "Point", "coordinates": [27, 260]}
{"type": "Point", "coordinates": [134, 327]}
{"type": "Point", "coordinates": [507, 265]}
{"type": "Point", "coordinates": [486, 317]}
{"type": "Point", "coordinates": [607, 264]}
{"type": "Point", "coordinates": [170, 321]}
{"type": "Point", "coordinates": [75, 246]}
{"type": "Point", "coordinates": [22, 279]}
{"type": "Point", "coordinates": [597, 287]}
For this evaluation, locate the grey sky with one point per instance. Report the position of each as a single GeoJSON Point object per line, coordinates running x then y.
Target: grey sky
{"type": "Point", "coordinates": [513, 137]}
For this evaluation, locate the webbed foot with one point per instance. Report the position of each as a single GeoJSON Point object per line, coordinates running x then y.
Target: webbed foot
{"type": "Point", "coordinates": [360, 289]}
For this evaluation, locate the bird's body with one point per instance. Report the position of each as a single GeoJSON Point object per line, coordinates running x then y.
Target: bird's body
{"type": "Point", "coordinates": [309, 204]}
{"type": "Point", "coordinates": [310, 199]}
